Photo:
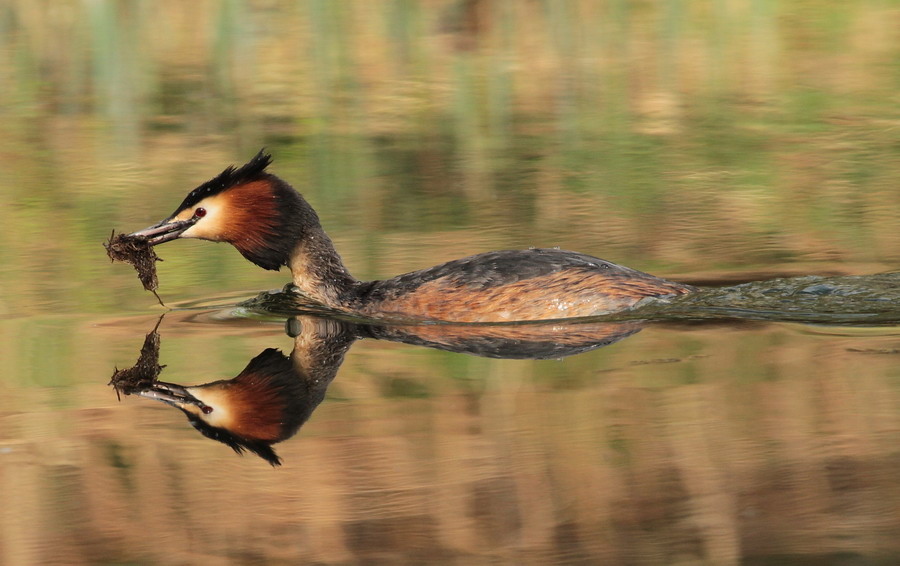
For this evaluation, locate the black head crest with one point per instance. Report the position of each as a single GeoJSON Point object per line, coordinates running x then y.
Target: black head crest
{"type": "Point", "coordinates": [230, 177]}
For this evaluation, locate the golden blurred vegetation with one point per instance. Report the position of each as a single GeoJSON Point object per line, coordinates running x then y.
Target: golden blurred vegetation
{"type": "Point", "coordinates": [766, 445]}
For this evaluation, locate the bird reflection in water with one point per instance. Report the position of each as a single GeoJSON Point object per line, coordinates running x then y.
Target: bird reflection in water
{"type": "Point", "coordinates": [271, 398]}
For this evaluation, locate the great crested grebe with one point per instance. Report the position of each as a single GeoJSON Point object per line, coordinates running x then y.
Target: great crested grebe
{"type": "Point", "coordinates": [272, 225]}
{"type": "Point", "coordinates": [266, 403]}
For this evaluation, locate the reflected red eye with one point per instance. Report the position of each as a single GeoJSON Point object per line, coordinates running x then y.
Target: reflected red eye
{"type": "Point", "coordinates": [200, 213]}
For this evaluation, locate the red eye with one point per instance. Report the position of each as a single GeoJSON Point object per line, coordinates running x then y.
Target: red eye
{"type": "Point", "coordinates": [200, 213]}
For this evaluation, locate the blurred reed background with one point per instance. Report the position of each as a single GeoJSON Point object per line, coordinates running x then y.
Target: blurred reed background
{"type": "Point", "coordinates": [676, 136]}
{"type": "Point", "coordinates": [684, 137]}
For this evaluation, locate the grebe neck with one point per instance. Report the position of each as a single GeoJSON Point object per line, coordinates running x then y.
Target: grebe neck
{"type": "Point", "coordinates": [319, 271]}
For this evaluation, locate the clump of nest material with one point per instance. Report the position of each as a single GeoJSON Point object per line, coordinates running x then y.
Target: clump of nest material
{"type": "Point", "coordinates": [137, 251]}
{"type": "Point", "coordinates": [145, 371]}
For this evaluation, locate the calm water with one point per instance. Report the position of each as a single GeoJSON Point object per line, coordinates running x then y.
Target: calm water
{"type": "Point", "coordinates": [710, 144]}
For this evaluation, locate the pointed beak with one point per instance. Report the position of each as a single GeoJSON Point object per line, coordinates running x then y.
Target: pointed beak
{"type": "Point", "coordinates": [164, 231]}
{"type": "Point", "coordinates": [171, 394]}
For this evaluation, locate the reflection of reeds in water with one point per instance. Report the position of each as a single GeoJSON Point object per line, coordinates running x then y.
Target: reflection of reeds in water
{"type": "Point", "coordinates": [769, 444]}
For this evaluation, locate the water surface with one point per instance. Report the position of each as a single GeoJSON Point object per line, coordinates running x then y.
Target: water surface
{"type": "Point", "coordinates": [715, 146]}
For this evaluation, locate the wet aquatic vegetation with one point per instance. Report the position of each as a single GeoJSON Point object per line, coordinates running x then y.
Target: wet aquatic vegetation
{"type": "Point", "coordinates": [144, 372]}
{"type": "Point", "coordinates": [138, 252]}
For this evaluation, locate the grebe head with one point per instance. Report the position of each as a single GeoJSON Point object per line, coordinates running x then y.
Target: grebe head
{"type": "Point", "coordinates": [256, 212]}
{"type": "Point", "coordinates": [266, 403]}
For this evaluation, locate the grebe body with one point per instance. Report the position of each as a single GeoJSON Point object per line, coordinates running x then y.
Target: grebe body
{"type": "Point", "coordinates": [272, 225]}
{"type": "Point", "coordinates": [510, 285]}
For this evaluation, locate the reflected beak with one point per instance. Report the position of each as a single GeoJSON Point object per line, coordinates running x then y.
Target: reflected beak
{"type": "Point", "coordinates": [171, 394]}
{"type": "Point", "coordinates": [164, 231]}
